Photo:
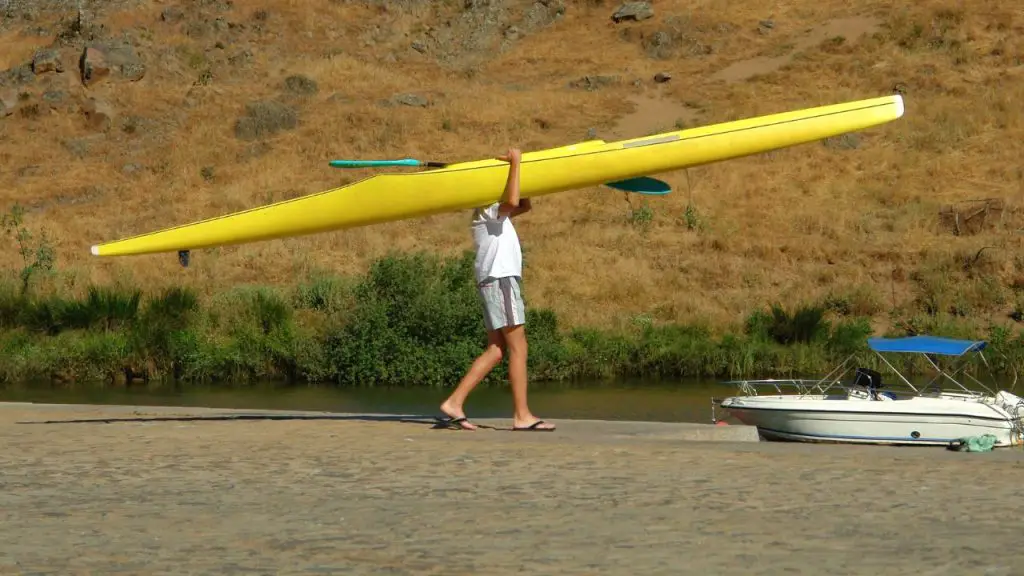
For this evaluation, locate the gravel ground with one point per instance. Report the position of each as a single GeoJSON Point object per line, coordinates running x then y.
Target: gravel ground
{"type": "Point", "coordinates": [376, 496]}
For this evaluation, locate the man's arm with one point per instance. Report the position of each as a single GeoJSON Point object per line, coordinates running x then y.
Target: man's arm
{"type": "Point", "coordinates": [512, 205]}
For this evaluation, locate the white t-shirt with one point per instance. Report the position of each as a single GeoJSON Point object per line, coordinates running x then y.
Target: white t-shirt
{"type": "Point", "coordinates": [497, 245]}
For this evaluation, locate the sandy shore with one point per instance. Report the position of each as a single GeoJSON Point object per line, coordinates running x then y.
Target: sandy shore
{"type": "Point", "coordinates": [144, 493]}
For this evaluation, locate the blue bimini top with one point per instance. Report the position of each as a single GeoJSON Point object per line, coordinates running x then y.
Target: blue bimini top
{"type": "Point", "coordinates": [926, 345]}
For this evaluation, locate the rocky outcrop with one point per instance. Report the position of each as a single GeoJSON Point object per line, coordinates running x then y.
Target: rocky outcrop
{"type": "Point", "coordinates": [635, 11]}
{"type": "Point", "coordinates": [481, 30]}
{"type": "Point", "coordinates": [99, 62]}
{"type": "Point", "coordinates": [17, 76]}
{"type": "Point", "coordinates": [677, 37]}
{"type": "Point", "coordinates": [47, 61]}
{"type": "Point", "coordinates": [93, 66]}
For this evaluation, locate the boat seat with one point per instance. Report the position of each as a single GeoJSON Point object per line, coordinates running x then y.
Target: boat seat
{"type": "Point", "coordinates": [868, 378]}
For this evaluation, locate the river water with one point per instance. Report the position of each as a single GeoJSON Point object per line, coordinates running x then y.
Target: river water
{"type": "Point", "coordinates": [663, 401]}
{"type": "Point", "coordinates": [679, 401]}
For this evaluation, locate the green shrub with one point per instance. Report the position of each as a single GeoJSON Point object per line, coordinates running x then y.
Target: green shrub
{"type": "Point", "coordinates": [415, 320]}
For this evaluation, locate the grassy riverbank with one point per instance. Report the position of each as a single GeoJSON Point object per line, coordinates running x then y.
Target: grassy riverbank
{"type": "Point", "coordinates": [412, 319]}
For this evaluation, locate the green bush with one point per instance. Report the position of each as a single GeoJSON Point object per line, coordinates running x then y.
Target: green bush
{"type": "Point", "coordinates": [412, 320]}
{"type": "Point", "coordinates": [416, 320]}
{"type": "Point", "coordinates": [806, 324]}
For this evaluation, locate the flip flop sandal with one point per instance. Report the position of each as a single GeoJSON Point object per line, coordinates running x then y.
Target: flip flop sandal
{"type": "Point", "coordinates": [451, 423]}
{"type": "Point", "coordinates": [532, 428]}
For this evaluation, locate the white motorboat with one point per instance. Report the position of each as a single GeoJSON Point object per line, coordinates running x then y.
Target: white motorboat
{"type": "Point", "coordinates": [866, 411]}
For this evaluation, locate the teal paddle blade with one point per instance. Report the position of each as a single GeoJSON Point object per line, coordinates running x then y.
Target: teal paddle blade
{"type": "Point", "coordinates": [382, 163]}
{"type": "Point", "coordinates": [374, 163]}
{"type": "Point", "coordinates": [642, 185]}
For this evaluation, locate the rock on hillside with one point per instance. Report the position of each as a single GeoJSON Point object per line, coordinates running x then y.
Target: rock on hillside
{"type": "Point", "coordinates": [477, 31]}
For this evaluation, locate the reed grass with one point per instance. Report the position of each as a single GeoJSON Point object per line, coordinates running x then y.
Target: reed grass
{"type": "Point", "coordinates": [413, 319]}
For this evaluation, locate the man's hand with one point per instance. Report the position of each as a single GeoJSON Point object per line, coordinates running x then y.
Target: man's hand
{"type": "Point", "coordinates": [513, 156]}
{"type": "Point", "coordinates": [523, 208]}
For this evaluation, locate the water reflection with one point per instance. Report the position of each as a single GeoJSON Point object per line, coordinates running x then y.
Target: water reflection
{"type": "Point", "coordinates": [644, 400]}
{"type": "Point", "coordinates": [676, 401]}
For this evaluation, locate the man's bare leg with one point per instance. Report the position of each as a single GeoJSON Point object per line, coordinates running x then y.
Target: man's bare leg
{"type": "Point", "coordinates": [515, 340]}
{"type": "Point", "coordinates": [483, 364]}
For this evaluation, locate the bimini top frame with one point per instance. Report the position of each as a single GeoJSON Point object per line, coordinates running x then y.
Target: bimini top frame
{"type": "Point", "coordinates": [927, 346]}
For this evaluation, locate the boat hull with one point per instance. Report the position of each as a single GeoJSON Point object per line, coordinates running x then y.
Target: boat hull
{"type": "Point", "coordinates": [389, 197]}
{"type": "Point", "coordinates": [905, 421]}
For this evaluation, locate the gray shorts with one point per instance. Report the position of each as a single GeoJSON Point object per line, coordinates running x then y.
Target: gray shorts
{"type": "Point", "coordinates": [503, 302]}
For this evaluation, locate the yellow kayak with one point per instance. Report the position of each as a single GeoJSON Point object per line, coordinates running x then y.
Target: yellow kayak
{"type": "Point", "coordinates": [395, 196]}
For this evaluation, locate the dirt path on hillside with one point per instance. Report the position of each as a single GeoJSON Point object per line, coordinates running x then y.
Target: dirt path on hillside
{"type": "Point", "coordinates": [362, 497]}
{"type": "Point", "coordinates": [654, 113]}
{"type": "Point", "coordinates": [850, 29]}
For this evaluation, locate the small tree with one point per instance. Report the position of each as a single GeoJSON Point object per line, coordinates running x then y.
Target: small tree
{"type": "Point", "coordinates": [34, 256]}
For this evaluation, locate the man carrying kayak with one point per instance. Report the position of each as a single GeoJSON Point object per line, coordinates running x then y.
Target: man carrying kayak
{"type": "Point", "coordinates": [498, 270]}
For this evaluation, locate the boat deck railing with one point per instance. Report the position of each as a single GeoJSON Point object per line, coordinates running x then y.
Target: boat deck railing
{"type": "Point", "coordinates": [809, 387]}
{"type": "Point", "coordinates": [834, 380]}
{"type": "Point", "coordinates": [801, 386]}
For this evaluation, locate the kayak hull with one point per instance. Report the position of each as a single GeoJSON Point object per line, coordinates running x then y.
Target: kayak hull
{"type": "Point", "coordinates": [395, 196]}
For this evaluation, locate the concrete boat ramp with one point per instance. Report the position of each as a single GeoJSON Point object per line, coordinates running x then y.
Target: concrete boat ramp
{"type": "Point", "coordinates": [88, 489]}
{"type": "Point", "coordinates": [568, 429]}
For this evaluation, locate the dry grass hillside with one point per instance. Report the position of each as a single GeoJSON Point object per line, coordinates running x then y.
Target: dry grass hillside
{"type": "Point", "coordinates": [199, 108]}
